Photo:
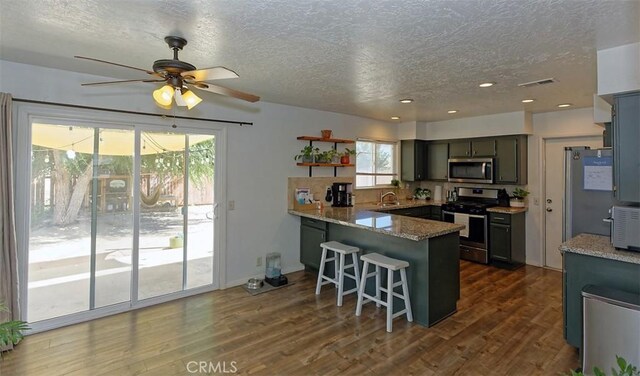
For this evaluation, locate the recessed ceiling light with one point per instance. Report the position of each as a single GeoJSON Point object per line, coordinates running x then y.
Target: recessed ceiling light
{"type": "Point", "coordinates": [527, 100]}
{"type": "Point", "coordinates": [565, 105]}
{"type": "Point", "coordinates": [452, 111]}
{"type": "Point", "coordinates": [487, 84]}
{"type": "Point", "coordinates": [406, 100]}
{"type": "Point", "coordinates": [395, 118]}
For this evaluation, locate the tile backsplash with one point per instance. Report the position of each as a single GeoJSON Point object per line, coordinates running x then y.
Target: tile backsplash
{"type": "Point", "coordinates": [318, 186]}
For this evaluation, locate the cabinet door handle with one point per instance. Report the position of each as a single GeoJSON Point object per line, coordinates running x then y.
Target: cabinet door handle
{"type": "Point", "coordinates": [322, 237]}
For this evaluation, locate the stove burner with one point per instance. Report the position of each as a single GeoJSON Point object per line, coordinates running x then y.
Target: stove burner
{"type": "Point", "coordinates": [470, 207]}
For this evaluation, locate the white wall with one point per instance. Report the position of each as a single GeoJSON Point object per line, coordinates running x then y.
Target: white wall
{"type": "Point", "coordinates": [260, 158]}
{"type": "Point", "coordinates": [567, 123]}
{"type": "Point", "coordinates": [619, 69]}
{"type": "Point", "coordinates": [478, 126]}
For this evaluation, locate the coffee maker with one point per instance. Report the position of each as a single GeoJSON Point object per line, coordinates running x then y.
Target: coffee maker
{"type": "Point", "coordinates": [341, 194]}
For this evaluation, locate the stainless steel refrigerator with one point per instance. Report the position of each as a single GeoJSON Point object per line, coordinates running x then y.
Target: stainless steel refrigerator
{"type": "Point", "coordinates": [588, 191]}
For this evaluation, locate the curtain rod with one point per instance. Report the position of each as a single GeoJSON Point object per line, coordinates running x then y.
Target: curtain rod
{"type": "Point", "coordinates": [240, 123]}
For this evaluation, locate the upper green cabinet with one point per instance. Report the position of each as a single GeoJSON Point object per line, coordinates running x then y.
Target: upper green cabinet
{"type": "Point", "coordinates": [626, 154]}
{"type": "Point", "coordinates": [437, 161]}
{"type": "Point", "coordinates": [414, 160]}
{"type": "Point", "coordinates": [472, 148]}
{"type": "Point", "coordinates": [428, 160]}
{"type": "Point", "coordinates": [459, 149]}
{"type": "Point", "coordinates": [511, 160]}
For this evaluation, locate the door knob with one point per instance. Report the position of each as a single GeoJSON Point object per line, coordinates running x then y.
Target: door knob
{"type": "Point", "coordinates": [549, 209]}
{"type": "Point", "coordinates": [549, 201]}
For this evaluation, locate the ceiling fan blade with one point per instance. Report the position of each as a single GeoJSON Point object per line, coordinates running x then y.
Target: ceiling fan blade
{"type": "Point", "coordinates": [208, 74]}
{"type": "Point", "coordinates": [226, 91]}
{"type": "Point", "coordinates": [119, 82]}
{"type": "Point", "coordinates": [118, 64]}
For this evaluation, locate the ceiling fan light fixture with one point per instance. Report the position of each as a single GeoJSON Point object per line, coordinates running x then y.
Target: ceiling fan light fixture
{"type": "Point", "coordinates": [179, 99]}
{"type": "Point", "coordinates": [191, 99]}
{"type": "Point", "coordinates": [164, 95]}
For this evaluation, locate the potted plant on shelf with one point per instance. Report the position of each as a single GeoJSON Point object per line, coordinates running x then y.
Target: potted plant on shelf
{"type": "Point", "coordinates": [333, 156]}
{"type": "Point", "coordinates": [323, 157]}
{"type": "Point", "coordinates": [10, 331]}
{"type": "Point", "coordinates": [346, 156]}
{"type": "Point", "coordinates": [518, 198]}
{"type": "Point", "coordinates": [308, 154]}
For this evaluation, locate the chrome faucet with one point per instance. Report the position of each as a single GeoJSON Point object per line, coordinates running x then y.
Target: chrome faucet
{"type": "Point", "coordinates": [392, 194]}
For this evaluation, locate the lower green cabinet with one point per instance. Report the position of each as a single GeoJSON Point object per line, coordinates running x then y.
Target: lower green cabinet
{"type": "Point", "coordinates": [312, 233]}
{"type": "Point", "coordinates": [507, 239]}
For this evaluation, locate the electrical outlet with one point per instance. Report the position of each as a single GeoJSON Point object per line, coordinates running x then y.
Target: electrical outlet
{"type": "Point", "coordinates": [259, 261]}
{"type": "Point", "coordinates": [536, 202]}
{"type": "Point", "coordinates": [232, 205]}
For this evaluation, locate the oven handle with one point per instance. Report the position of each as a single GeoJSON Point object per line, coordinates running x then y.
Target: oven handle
{"type": "Point", "coordinates": [470, 215]}
{"type": "Point", "coordinates": [484, 169]}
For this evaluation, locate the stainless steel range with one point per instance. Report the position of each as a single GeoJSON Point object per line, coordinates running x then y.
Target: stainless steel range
{"type": "Point", "coordinates": [470, 209]}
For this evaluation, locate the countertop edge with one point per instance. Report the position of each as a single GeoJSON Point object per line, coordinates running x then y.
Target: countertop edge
{"type": "Point", "coordinates": [506, 210]}
{"type": "Point", "coordinates": [605, 251]}
{"type": "Point", "coordinates": [313, 215]}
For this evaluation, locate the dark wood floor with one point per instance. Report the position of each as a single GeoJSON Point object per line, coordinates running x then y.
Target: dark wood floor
{"type": "Point", "coordinates": [508, 323]}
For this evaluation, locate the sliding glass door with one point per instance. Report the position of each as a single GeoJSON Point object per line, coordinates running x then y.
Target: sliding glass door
{"type": "Point", "coordinates": [118, 216]}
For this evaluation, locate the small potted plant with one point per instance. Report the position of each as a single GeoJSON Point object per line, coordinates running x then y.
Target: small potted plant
{"type": "Point", "coordinates": [395, 183]}
{"type": "Point", "coordinates": [333, 156]}
{"type": "Point", "coordinates": [323, 157]}
{"type": "Point", "coordinates": [346, 156]}
{"type": "Point", "coordinates": [307, 154]}
{"type": "Point", "coordinates": [10, 331]}
{"type": "Point", "coordinates": [518, 198]}
{"type": "Point", "coordinates": [326, 133]}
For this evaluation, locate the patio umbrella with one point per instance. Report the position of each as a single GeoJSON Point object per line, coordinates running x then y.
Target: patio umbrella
{"type": "Point", "coordinates": [112, 141]}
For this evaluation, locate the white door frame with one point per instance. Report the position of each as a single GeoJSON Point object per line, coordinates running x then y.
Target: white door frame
{"type": "Point", "coordinates": [22, 118]}
{"type": "Point", "coordinates": [543, 189]}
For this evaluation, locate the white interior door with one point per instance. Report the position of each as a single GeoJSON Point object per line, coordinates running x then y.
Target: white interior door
{"type": "Point", "coordinates": [554, 192]}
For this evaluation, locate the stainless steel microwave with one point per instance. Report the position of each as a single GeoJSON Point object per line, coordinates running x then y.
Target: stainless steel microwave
{"type": "Point", "coordinates": [625, 222]}
{"type": "Point", "coordinates": [471, 170]}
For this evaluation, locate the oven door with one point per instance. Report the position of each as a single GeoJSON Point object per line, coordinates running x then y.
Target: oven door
{"type": "Point", "coordinates": [476, 234]}
{"type": "Point", "coordinates": [473, 246]}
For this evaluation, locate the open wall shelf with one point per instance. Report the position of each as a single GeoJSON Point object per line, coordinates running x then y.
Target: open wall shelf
{"type": "Point", "coordinates": [335, 142]}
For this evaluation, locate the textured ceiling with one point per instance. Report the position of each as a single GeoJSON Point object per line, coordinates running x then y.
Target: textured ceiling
{"type": "Point", "coordinates": [355, 57]}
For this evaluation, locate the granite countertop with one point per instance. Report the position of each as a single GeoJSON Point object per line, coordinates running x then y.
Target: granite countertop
{"type": "Point", "coordinates": [361, 216]}
{"type": "Point", "coordinates": [598, 246]}
{"type": "Point", "coordinates": [506, 210]}
{"type": "Point", "coordinates": [404, 204]}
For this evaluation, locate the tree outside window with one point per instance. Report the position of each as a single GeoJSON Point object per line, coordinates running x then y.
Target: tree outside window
{"type": "Point", "coordinates": [376, 163]}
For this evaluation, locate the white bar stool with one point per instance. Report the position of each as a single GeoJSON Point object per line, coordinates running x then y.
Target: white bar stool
{"type": "Point", "coordinates": [339, 267]}
{"type": "Point", "coordinates": [391, 265]}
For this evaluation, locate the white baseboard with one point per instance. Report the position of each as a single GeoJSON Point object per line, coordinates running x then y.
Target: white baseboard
{"type": "Point", "coordinates": [242, 281]}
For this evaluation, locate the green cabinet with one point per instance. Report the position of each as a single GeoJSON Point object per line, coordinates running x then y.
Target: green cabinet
{"type": "Point", "coordinates": [460, 149]}
{"type": "Point", "coordinates": [582, 270]}
{"type": "Point", "coordinates": [507, 239]}
{"type": "Point", "coordinates": [472, 148]}
{"type": "Point", "coordinates": [312, 233]}
{"type": "Point", "coordinates": [425, 212]}
{"type": "Point", "coordinates": [626, 154]}
{"type": "Point", "coordinates": [436, 213]}
{"type": "Point", "coordinates": [511, 160]}
{"type": "Point", "coordinates": [414, 160]}
{"type": "Point", "coordinates": [483, 148]}
{"type": "Point", "coordinates": [437, 161]}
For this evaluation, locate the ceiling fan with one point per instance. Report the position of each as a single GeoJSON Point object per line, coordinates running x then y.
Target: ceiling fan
{"type": "Point", "coordinates": [180, 79]}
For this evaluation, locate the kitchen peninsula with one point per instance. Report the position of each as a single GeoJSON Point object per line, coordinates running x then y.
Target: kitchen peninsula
{"type": "Point", "coordinates": [430, 247]}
